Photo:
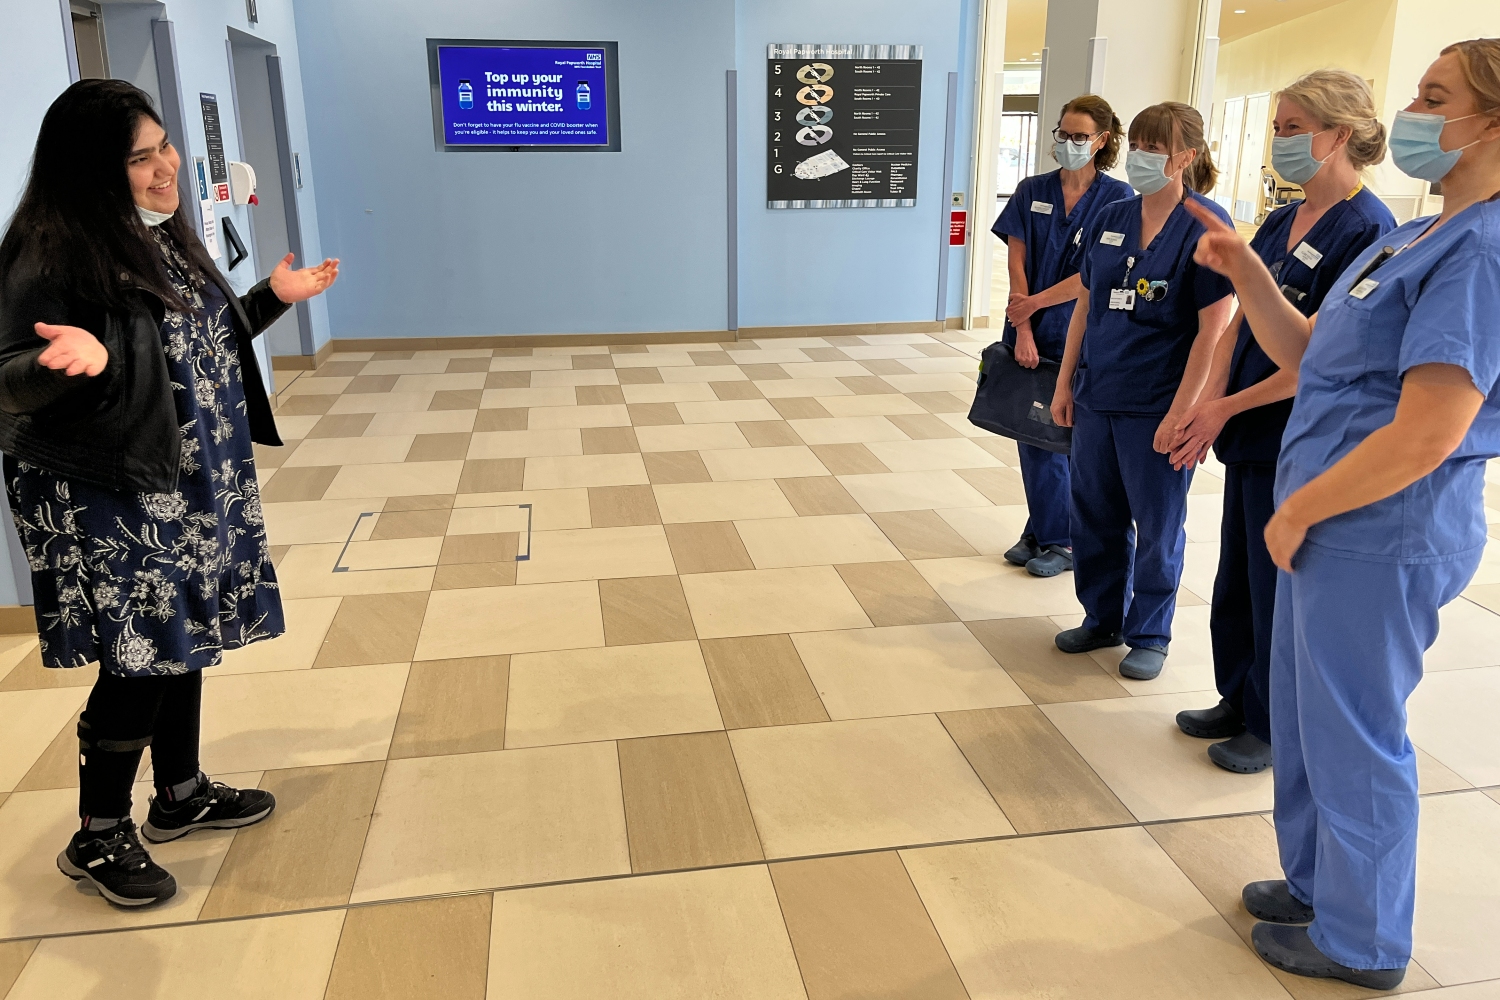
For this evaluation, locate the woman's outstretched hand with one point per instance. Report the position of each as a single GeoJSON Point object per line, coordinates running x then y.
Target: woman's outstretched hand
{"type": "Point", "coordinates": [294, 286]}
{"type": "Point", "coordinates": [71, 349]}
{"type": "Point", "coordinates": [1220, 247]}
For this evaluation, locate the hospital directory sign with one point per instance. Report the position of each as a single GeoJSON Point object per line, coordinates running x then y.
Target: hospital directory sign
{"type": "Point", "coordinates": [524, 95]}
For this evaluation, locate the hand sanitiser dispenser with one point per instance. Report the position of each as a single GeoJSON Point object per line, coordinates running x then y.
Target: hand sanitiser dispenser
{"type": "Point", "coordinates": [242, 183]}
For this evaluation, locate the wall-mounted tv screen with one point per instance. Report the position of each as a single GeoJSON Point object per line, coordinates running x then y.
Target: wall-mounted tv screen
{"type": "Point", "coordinates": [490, 94]}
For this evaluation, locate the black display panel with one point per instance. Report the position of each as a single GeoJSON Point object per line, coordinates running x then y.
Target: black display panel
{"type": "Point", "coordinates": [842, 125]}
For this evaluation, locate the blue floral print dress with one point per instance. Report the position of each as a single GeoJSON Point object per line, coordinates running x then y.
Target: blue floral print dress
{"type": "Point", "coordinates": [159, 583]}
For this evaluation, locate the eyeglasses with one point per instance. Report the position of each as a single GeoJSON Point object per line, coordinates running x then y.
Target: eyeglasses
{"type": "Point", "coordinates": [1078, 137]}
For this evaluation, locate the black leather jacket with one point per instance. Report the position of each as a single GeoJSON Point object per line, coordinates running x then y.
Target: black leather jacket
{"type": "Point", "coordinates": [117, 429]}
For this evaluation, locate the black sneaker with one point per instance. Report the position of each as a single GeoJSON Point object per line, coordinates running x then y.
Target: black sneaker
{"type": "Point", "coordinates": [1054, 559]}
{"type": "Point", "coordinates": [1218, 723]}
{"type": "Point", "coordinates": [114, 862]}
{"type": "Point", "coordinates": [1291, 950]}
{"type": "Point", "coordinates": [1245, 754]}
{"type": "Point", "coordinates": [214, 806]}
{"type": "Point", "coordinates": [1023, 551]}
{"type": "Point", "coordinates": [1083, 640]}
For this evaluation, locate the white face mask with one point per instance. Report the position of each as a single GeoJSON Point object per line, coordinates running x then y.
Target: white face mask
{"type": "Point", "coordinates": [151, 218]}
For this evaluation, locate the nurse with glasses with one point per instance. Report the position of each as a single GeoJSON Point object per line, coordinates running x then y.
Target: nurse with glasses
{"type": "Point", "coordinates": [1379, 523]}
{"type": "Point", "coordinates": [1042, 226]}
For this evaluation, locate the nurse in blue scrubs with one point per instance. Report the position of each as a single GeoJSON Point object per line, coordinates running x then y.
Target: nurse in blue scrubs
{"type": "Point", "coordinates": [1140, 342]}
{"type": "Point", "coordinates": [1379, 523]}
{"type": "Point", "coordinates": [1326, 132]}
{"type": "Point", "coordinates": [1043, 226]}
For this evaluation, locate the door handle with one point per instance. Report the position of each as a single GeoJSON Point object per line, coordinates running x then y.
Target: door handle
{"type": "Point", "coordinates": [236, 245]}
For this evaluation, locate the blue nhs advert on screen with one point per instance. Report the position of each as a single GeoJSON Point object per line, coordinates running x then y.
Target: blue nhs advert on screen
{"type": "Point", "coordinates": [524, 96]}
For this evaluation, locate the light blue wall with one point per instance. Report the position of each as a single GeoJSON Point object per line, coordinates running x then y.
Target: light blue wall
{"type": "Point", "coordinates": [452, 244]}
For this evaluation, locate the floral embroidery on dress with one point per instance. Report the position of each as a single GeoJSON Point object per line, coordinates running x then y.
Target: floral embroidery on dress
{"type": "Point", "coordinates": [159, 583]}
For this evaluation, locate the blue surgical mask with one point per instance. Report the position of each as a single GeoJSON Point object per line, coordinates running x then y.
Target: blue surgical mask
{"type": "Point", "coordinates": [1147, 171]}
{"type": "Point", "coordinates": [1416, 145]}
{"type": "Point", "coordinates": [1072, 155]}
{"type": "Point", "coordinates": [1292, 156]}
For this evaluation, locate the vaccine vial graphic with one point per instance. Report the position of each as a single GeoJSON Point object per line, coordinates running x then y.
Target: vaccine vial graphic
{"type": "Point", "coordinates": [465, 94]}
{"type": "Point", "coordinates": [583, 95]}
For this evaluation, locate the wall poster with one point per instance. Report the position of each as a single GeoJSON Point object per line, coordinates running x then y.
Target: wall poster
{"type": "Point", "coordinates": [842, 125]}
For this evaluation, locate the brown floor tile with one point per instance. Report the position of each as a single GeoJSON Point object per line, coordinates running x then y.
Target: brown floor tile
{"type": "Point", "coordinates": [305, 406]}
{"type": "Point", "coordinates": [684, 804]}
{"type": "Point", "coordinates": [813, 495]}
{"type": "Point", "coordinates": [512, 352]}
{"type": "Point", "coordinates": [599, 395]}
{"type": "Point", "coordinates": [707, 547]}
{"type": "Point", "coordinates": [894, 593]}
{"type": "Point", "coordinates": [585, 361]}
{"type": "Point", "coordinates": [507, 380]}
{"type": "Point", "coordinates": [1038, 779]}
{"type": "Point", "coordinates": [341, 425]}
{"type": "Point", "coordinates": [469, 364]}
{"type": "Point", "coordinates": [923, 426]}
{"type": "Point", "coordinates": [825, 354]}
{"type": "Point", "coordinates": [305, 853]}
{"type": "Point", "coordinates": [666, 467]}
{"type": "Point", "coordinates": [512, 419]}
{"type": "Point", "coordinates": [307, 482]}
{"type": "Point", "coordinates": [938, 402]}
{"type": "Point", "coordinates": [456, 399]}
{"type": "Point", "coordinates": [57, 767]}
{"type": "Point", "coordinates": [1005, 450]}
{"type": "Point", "coordinates": [393, 355]}
{"type": "Point", "coordinates": [644, 609]}
{"type": "Point", "coordinates": [428, 949]}
{"type": "Point", "coordinates": [768, 433]}
{"type": "Point", "coordinates": [860, 930]}
{"type": "Point", "coordinates": [277, 553]}
{"type": "Point", "coordinates": [452, 706]}
{"type": "Point", "coordinates": [703, 358]}
{"type": "Point", "coordinates": [412, 524]}
{"type": "Point", "coordinates": [489, 547]}
{"type": "Point", "coordinates": [371, 383]}
{"type": "Point", "coordinates": [867, 385]}
{"type": "Point", "coordinates": [759, 680]}
{"type": "Point", "coordinates": [848, 459]}
{"type": "Point", "coordinates": [438, 447]}
{"type": "Point", "coordinates": [268, 457]}
{"type": "Point", "coordinates": [921, 534]}
{"type": "Point", "coordinates": [1001, 487]}
{"type": "Point", "coordinates": [29, 675]}
{"type": "Point", "coordinates": [437, 501]}
{"type": "Point", "coordinates": [938, 351]}
{"type": "Point", "coordinates": [885, 366]}
{"type": "Point", "coordinates": [653, 414]}
{"type": "Point", "coordinates": [13, 955]}
{"type": "Point", "coordinates": [629, 349]}
{"type": "Point", "coordinates": [847, 340]}
{"type": "Point", "coordinates": [373, 628]}
{"type": "Point", "coordinates": [736, 390]}
{"type": "Point", "coordinates": [492, 475]}
{"type": "Point", "coordinates": [800, 408]}
{"type": "Point", "coordinates": [640, 376]}
{"type": "Point", "coordinates": [764, 373]}
{"type": "Point", "coordinates": [340, 369]}
{"type": "Point", "coordinates": [619, 506]}
{"type": "Point", "coordinates": [609, 440]}
{"type": "Point", "coordinates": [1025, 648]}
{"type": "Point", "coordinates": [470, 576]}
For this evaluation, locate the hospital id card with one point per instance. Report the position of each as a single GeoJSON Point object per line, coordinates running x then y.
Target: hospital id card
{"type": "Point", "coordinates": [1364, 288]}
{"type": "Point", "coordinates": [1122, 298]}
{"type": "Point", "coordinates": [1112, 239]}
{"type": "Point", "coordinates": [1042, 207]}
{"type": "Point", "coordinates": [1307, 255]}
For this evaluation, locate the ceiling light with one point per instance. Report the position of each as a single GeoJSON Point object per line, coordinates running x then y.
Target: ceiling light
{"type": "Point", "coordinates": [1239, 12]}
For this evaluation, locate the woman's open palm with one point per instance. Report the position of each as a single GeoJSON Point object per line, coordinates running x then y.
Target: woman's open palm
{"type": "Point", "coordinates": [71, 349]}
{"type": "Point", "coordinates": [295, 286]}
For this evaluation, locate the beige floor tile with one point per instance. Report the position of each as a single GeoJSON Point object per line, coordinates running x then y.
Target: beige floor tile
{"type": "Point", "coordinates": [304, 854]}
{"type": "Point", "coordinates": [492, 620]}
{"type": "Point", "coordinates": [455, 382]}
{"type": "Point", "coordinates": [815, 541]}
{"type": "Point", "coordinates": [644, 610]}
{"type": "Point", "coordinates": [1039, 780]}
{"type": "Point", "coordinates": [825, 369]}
{"type": "Point", "coordinates": [923, 456]}
{"type": "Point", "coordinates": [13, 958]}
{"type": "Point", "coordinates": [278, 958]}
{"type": "Point", "coordinates": [31, 720]}
{"type": "Point", "coordinates": [926, 427]}
{"type": "Point", "coordinates": [912, 491]}
{"type": "Point", "coordinates": [1468, 636]}
{"type": "Point", "coordinates": [760, 681]}
{"type": "Point", "coordinates": [350, 451]}
{"type": "Point", "coordinates": [492, 475]}
{"type": "Point", "coordinates": [861, 785]}
{"type": "Point", "coordinates": [57, 766]}
{"type": "Point", "coordinates": [29, 674]}
{"type": "Point", "coordinates": [960, 422]}
{"type": "Point", "coordinates": [427, 949]}
{"type": "Point", "coordinates": [394, 479]}
{"type": "Point", "coordinates": [703, 373]}
{"type": "Point", "coordinates": [689, 437]}
{"type": "Point", "coordinates": [305, 406]}
{"type": "Point", "coordinates": [1103, 913]}
{"type": "Point", "coordinates": [766, 601]}
{"type": "Point", "coordinates": [1000, 486]}
{"type": "Point", "coordinates": [300, 718]}
{"type": "Point", "coordinates": [1025, 648]}
{"type": "Point", "coordinates": [307, 571]}
{"type": "Point", "coordinates": [1156, 771]}
{"type": "Point", "coordinates": [802, 388]}
{"type": "Point", "coordinates": [894, 593]}
{"type": "Point", "coordinates": [668, 357]}
{"type": "Point", "coordinates": [847, 430]}
{"type": "Point", "coordinates": [682, 936]}
{"type": "Point", "coordinates": [427, 422]}
{"type": "Point", "coordinates": [933, 382]}
{"type": "Point", "coordinates": [531, 363]}
{"type": "Point", "coordinates": [311, 521]}
{"type": "Point", "coordinates": [848, 459]}
{"type": "Point", "coordinates": [617, 692]}
{"type": "Point", "coordinates": [547, 814]}
{"type": "Point", "coordinates": [707, 547]}
{"type": "Point", "coordinates": [552, 395]}
{"type": "Point", "coordinates": [1458, 894]}
{"type": "Point", "coordinates": [307, 623]}
{"type": "Point", "coordinates": [291, 485]}
{"type": "Point", "coordinates": [744, 354]}
{"type": "Point", "coordinates": [313, 385]}
{"type": "Point", "coordinates": [859, 929]}
{"type": "Point", "coordinates": [1433, 776]}
{"type": "Point", "coordinates": [922, 534]}
{"type": "Point", "coordinates": [452, 706]}
{"type": "Point", "coordinates": [382, 402]}
{"type": "Point", "coordinates": [479, 513]}
{"type": "Point", "coordinates": [390, 554]}
{"type": "Point", "coordinates": [883, 405]}
{"type": "Point", "coordinates": [373, 628]}
{"type": "Point", "coordinates": [727, 411]}
{"type": "Point", "coordinates": [406, 366]}
{"type": "Point", "coordinates": [982, 587]}
{"type": "Point", "coordinates": [1451, 716]}
{"type": "Point", "coordinates": [903, 670]}
{"type": "Point", "coordinates": [727, 501]}
{"type": "Point", "coordinates": [817, 495]}
{"type": "Point", "coordinates": [769, 433]}
{"type": "Point", "coordinates": [596, 553]}
{"type": "Point", "coordinates": [619, 506]}
{"type": "Point", "coordinates": [595, 376]}
{"type": "Point", "coordinates": [584, 470]}
{"type": "Point", "coordinates": [14, 649]}
{"type": "Point", "coordinates": [525, 444]}
{"type": "Point", "coordinates": [670, 392]}
{"type": "Point", "coordinates": [867, 384]}
{"type": "Point", "coordinates": [990, 530]}
{"type": "Point", "coordinates": [684, 804]}
{"type": "Point", "coordinates": [596, 415]}
{"type": "Point", "coordinates": [762, 463]}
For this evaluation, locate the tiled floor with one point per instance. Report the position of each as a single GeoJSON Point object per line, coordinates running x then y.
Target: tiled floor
{"type": "Point", "coordinates": [694, 671]}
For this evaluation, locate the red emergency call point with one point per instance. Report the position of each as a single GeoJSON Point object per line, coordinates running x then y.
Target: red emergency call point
{"type": "Point", "coordinates": [958, 229]}
{"type": "Point", "coordinates": [221, 192]}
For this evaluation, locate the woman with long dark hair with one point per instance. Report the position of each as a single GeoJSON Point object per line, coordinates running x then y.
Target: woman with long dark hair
{"type": "Point", "coordinates": [129, 397]}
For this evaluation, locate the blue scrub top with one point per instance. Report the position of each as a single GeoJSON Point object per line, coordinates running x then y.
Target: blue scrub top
{"type": "Point", "coordinates": [1309, 269]}
{"type": "Point", "coordinates": [1133, 361]}
{"type": "Point", "coordinates": [1436, 302]}
{"type": "Point", "coordinates": [1054, 244]}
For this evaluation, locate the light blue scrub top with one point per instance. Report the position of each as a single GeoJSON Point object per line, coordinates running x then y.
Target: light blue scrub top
{"type": "Point", "coordinates": [1436, 302]}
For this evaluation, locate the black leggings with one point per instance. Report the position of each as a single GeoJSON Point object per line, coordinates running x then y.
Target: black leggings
{"type": "Point", "coordinates": [125, 715]}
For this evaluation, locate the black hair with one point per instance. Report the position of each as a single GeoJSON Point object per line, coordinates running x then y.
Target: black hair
{"type": "Point", "coordinates": [77, 222]}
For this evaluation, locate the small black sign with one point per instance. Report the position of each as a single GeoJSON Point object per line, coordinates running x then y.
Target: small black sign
{"type": "Point", "coordinates": [213, 132]}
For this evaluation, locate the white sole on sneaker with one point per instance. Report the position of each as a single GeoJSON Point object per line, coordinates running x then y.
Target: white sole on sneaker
{"type": "Point", "coordinates": [77, 874]}
{"type": "Point", "coordinates": [159, 836]}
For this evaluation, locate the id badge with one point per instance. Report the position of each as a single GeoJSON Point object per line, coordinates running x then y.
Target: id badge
{"type": "Point", "coordinates": [1364, 288]}
{"type": "Point", "coordinates": [1042, 207]}
{"type": "Point", "coordinates": [1122, 298]}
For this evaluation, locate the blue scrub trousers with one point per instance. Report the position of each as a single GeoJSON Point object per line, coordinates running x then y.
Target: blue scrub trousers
{"type": "Point", "coordinates": [1244, 601]}
{"type": "Point", "coordinates": [1349, 639]}
{"type": "Point", "coordinates": [1045, 475]}
{"type": "Point", "coordinates": [1126, 575]}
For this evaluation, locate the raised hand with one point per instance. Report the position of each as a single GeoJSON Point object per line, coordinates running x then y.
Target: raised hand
{"type": "Point", "coordinates": [294, 286]}
{"type": "Point", "coordinates": [71, 349]}
{"type": "Point", "coordinates": [1221, 247]}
